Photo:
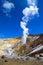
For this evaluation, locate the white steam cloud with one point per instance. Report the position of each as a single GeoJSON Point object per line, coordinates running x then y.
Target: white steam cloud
{"type": "Point", "coordinates": [7, 7]}
{"type": "Point", "coordinates": [28, 13]}
{"type": "Point", "coordinates": [32, 2]}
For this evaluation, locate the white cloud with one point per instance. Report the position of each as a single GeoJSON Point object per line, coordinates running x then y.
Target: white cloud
{"type": "Point", "coordinates": [30, 11]}
{"type": "Point", "coordinates": [7, 7]}
{"type": "Point", "coordinates": [26, 11]}
{"type": "Point", "coordinates": [32, 2]}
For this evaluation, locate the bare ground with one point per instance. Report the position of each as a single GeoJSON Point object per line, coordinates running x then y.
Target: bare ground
{"type": "Point", "coordinates": [20, 62]}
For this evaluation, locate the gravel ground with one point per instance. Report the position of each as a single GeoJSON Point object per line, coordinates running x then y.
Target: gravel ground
{"type": "Point", "coordinates": [6, 61]}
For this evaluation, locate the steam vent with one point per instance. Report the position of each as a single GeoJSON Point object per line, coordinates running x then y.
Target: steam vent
{"type": "Point", "coordinates": [12, 51]}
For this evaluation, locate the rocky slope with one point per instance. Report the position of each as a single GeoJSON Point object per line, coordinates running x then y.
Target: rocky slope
{"type": "Point", "coordinates": [11, 49]}
{"type": "Point", "coordinates": [15, 43]}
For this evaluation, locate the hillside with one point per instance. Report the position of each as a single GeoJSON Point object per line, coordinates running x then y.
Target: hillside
{"type": "Point", "coordinates": [12, 52]}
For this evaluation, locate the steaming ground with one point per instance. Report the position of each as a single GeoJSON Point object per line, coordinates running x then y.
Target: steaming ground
{"type": "Point", "coordinates": [12, 42]}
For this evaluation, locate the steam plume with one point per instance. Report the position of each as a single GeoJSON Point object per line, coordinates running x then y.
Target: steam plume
{"type": "Point", "coordinates": [28, 13]}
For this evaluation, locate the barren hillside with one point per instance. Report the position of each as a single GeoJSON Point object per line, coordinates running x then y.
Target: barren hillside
{"type": "Point", "coordinates": [11, 50]}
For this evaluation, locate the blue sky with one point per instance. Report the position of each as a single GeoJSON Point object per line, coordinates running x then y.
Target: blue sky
{"type": "Point", "coordinates": [10, 25]}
